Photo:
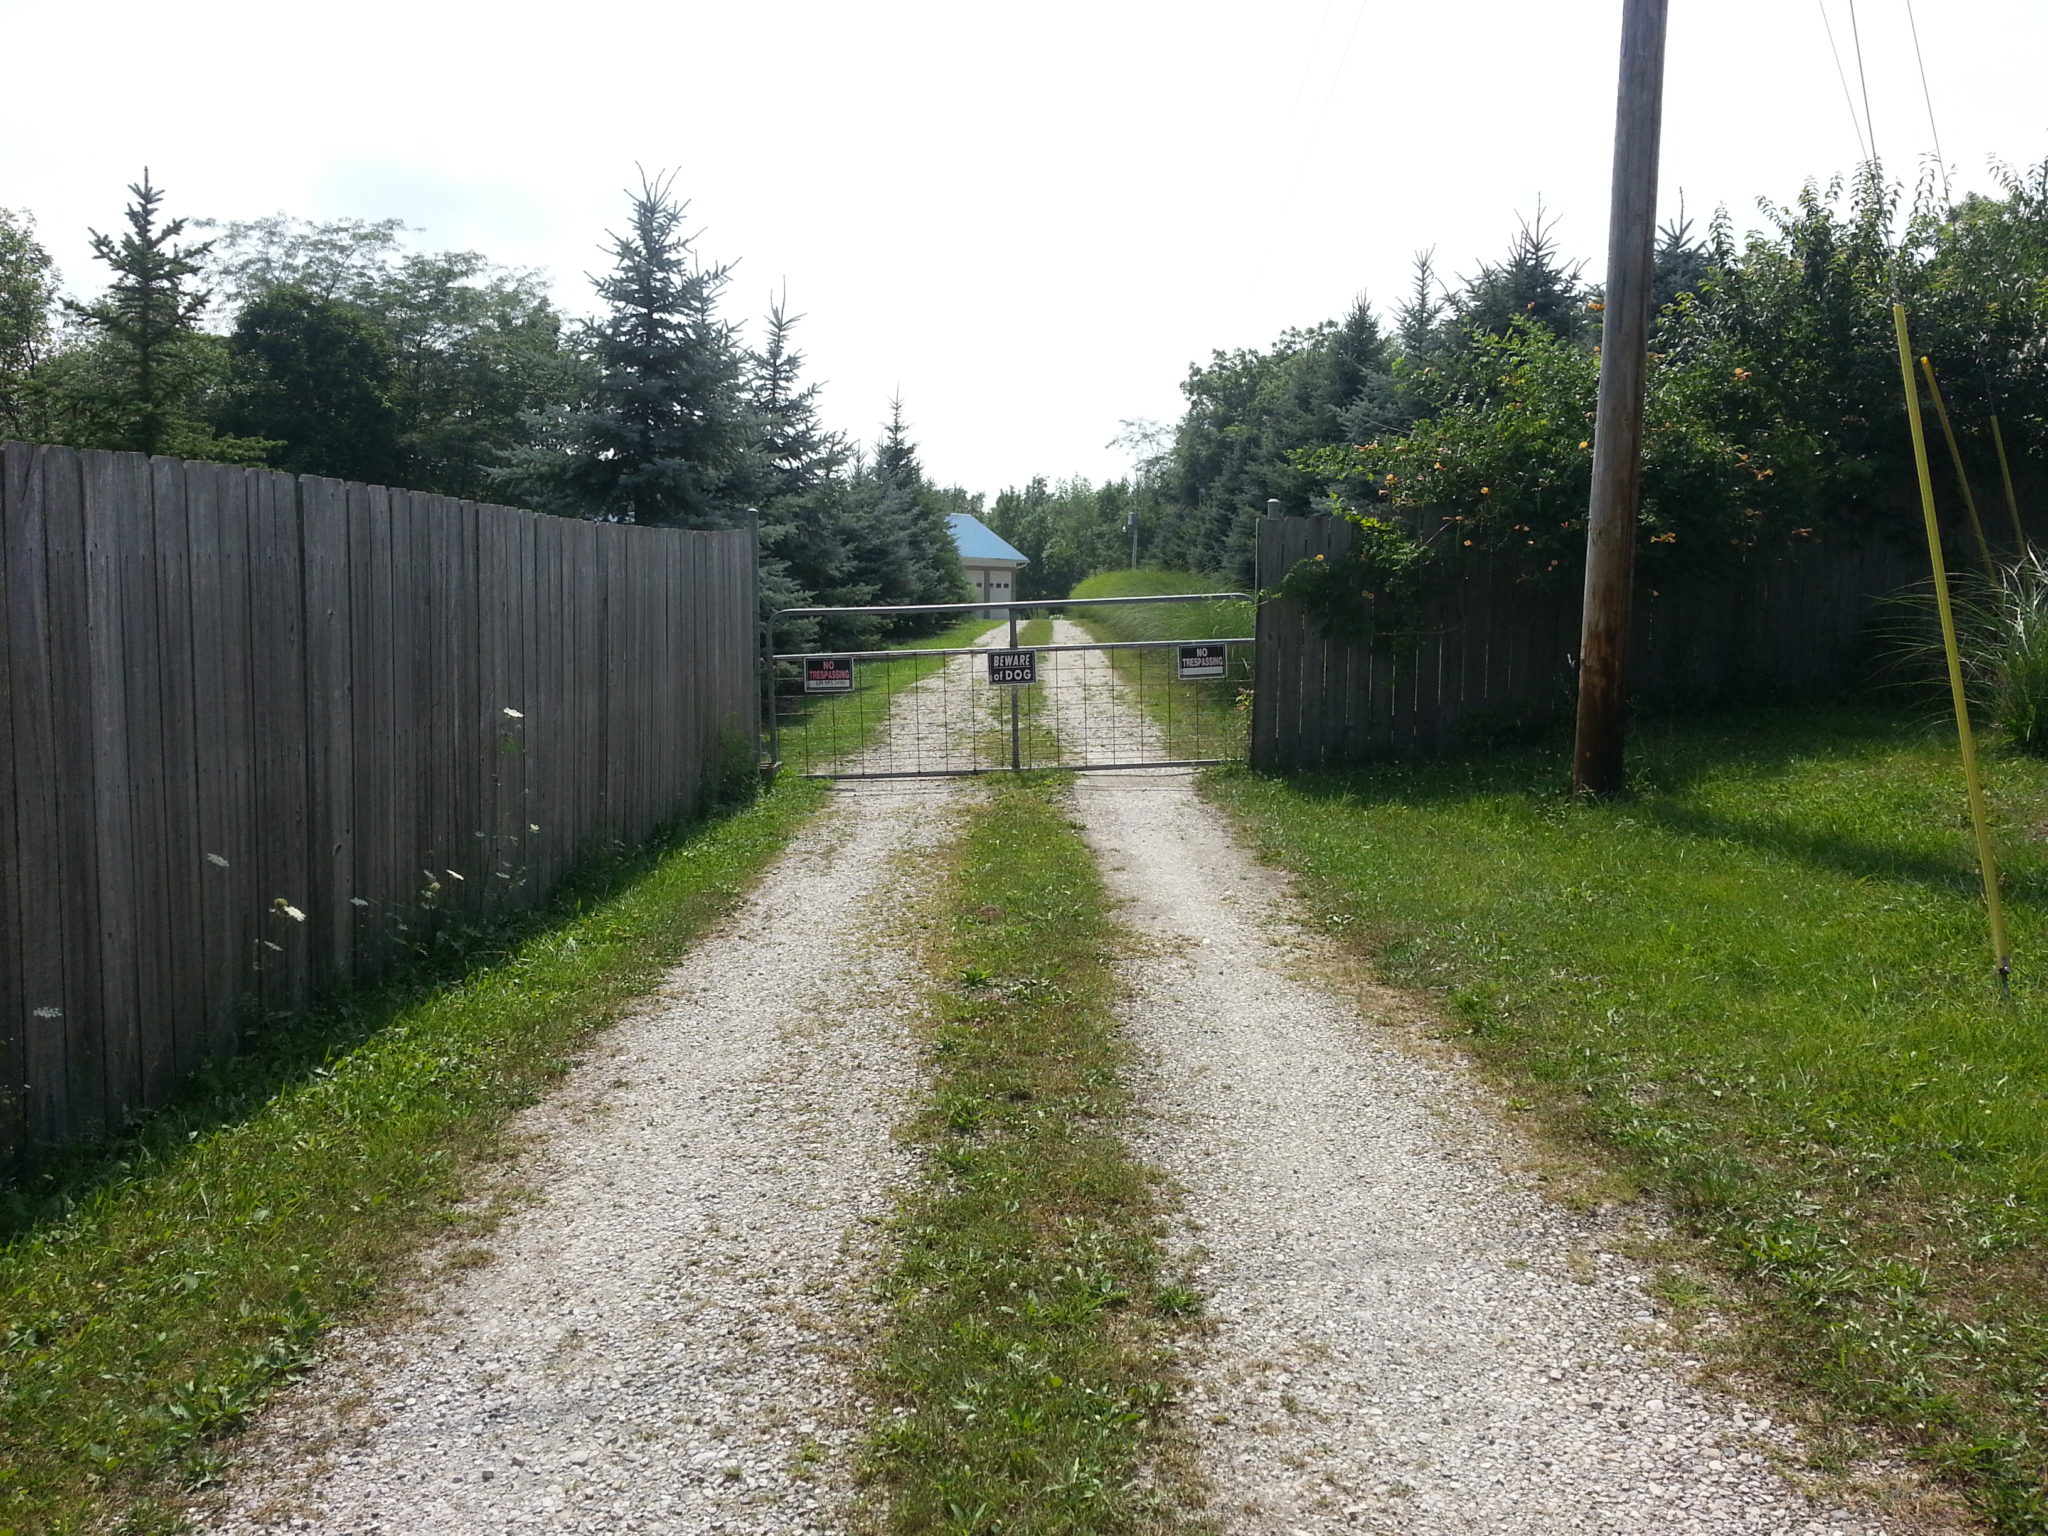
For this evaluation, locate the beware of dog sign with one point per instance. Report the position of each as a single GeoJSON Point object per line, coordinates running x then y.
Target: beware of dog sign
{"type": "Point", "coordinates": [1012, 667]}
{"type": "Point", "coordinates": [828, 674]}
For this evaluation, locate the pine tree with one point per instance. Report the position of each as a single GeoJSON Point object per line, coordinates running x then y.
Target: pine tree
{"type": "Point", "coordinates": [793, 481]}
{"type": "Point", "coordinates": [1533, 284]}
{"type": "Point", "coordinates": [899, 546]}
{"type": "Point", "coordinates": [878, 559]}
{"type": "Point", "coordinates": [932, 572]}
{"type": "Point", "coordinates": [794, 452]}
{"type": "Point", "coordinates": [663, 436]}
{"type": "Point", "coordinates": [1365, 398]}
{"type": "Point", "coordinates": [896, 455]}
{"type": "Point", "coordinates": [152, 355]}
{"type": "Point", "coordinates": [1420, 316]}
{"type": "Point", "coordinates": [1682, 264]}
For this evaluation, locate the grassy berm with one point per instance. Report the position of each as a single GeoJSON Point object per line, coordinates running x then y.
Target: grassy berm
{"type": "Point", "coordinates": [1027, 1375]}
{"type": "Point", "coordinates": [1162, 621]}
{"type": "Point", "coordinates": [1762, 985]}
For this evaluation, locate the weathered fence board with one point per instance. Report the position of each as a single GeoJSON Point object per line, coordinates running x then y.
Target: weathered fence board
{"type": "Point", "coordinates": [1494, 650]}
{"type": "Point", "coordinates": [69, 1091]}
{"type": "Point", "coordinates": [275, 654]}
{"type": "Point", "coordinates": [253, 720]}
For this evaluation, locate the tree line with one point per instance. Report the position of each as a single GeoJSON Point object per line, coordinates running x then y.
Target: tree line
{"type": "Point", "coordinates": [1460, 426]}
{"type": "Point", "coordinates": [333, 348]}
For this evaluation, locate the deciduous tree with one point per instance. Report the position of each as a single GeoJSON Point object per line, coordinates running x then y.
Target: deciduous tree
{"type": "Point", "coordinates": [28, 299]}
{"type": "Point", "coordinates": [314, 374]}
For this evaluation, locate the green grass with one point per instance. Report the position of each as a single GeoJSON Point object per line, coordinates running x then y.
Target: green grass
{"type": "Point", "coordinates": [150, 1300]}
{"type": "Point", "coordinates": [1026, 1362]}
{"type": "Point", "coordinates": [821, 729]}
{"type": "Point", "coordinates": [1162, 621]}
{"type": "Point", "coordinates": [1763, 985]}
{"type": "Point", "coordinates": [1200, 720]}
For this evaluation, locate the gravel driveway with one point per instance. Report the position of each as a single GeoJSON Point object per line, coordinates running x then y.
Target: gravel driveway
{"type": "Point", "coordinates": [1408, 1337]}
{"type": "Point", "coordinates": [663, 1340]}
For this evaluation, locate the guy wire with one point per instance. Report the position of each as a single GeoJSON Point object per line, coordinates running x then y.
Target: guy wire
{"type": "Point", "coordinates": [1990, 388]}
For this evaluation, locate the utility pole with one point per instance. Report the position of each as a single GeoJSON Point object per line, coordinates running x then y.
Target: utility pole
{"type": "Point", "coordinates": [1597, 766]}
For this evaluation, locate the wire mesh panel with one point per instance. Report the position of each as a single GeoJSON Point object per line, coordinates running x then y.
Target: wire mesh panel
{"type": "Point", "coordinates": [1079, 701]}
{"type": "Point", "coordinates": [1128, 706]}
{"type": "Point", "coordinates": [899, 715]}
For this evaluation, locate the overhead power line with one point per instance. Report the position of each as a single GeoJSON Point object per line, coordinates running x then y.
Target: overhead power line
{"type": "Point", "coordinates": [1862, 79]}
{"type": "Point", "coordinates": [1848, 100]}
{"type": "Point", "coordinates": [1344, 57]}
{"type": "Point", "coordinates": [1308, 56]}
{"type": "Point", "coordinates": [1928, 96]}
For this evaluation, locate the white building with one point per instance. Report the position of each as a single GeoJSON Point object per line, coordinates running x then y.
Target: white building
{"type": "Point", "coordinates": [991, 564]}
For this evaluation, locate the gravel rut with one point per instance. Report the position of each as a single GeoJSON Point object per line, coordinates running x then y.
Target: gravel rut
{"type": "Point", "coordinates": [663, 1340]}
{"type": "Point", "coordinates": [1409, 1338]}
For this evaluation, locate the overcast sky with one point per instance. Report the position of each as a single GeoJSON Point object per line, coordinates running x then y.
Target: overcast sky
{"type": "Point", "coordinates": [1030, 218]}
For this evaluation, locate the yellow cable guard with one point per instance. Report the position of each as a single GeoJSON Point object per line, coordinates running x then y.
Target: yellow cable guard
{"type": "Point", "coordinates": [2012, 502]}
{"type": "Point", "coordinates": [1955, 455]}
{"type": "Point", "coordinates": [1986, 865]}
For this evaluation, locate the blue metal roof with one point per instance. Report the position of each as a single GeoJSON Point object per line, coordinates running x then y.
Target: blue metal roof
{"type": "Point", "coordinates": [977, 541]}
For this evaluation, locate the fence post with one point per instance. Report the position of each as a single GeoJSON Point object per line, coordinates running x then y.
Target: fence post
{"type": "Point", "coordinates": [1016, 755]}
{"type": "Point", "coordinates": [764, 669]}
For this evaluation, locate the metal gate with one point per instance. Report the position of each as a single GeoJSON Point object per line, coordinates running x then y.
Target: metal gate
{"type": "Point", "coordinates": [1064, 700]}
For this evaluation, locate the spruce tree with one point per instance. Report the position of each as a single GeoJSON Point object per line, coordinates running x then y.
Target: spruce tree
{"type": "Point", "coordinates": [147, 322]}
{"type": "Point", "coordinates": [878, 556]}
{"type": "Point", "coordinates": [794, 481]}
{"type": "Point", "coordinates": [663, 435]}
{"type": "Point", "coordinates": [1682, 265]}
{"type": "Point", "coordinates": [1534, 284]}
{"type": "Point", "coordinates": [1419, 317]}
{"type": "Point", "coordinates": [1365, 400]}
{"type": "Point", "coordinates": [794, 453]}
{"type": "Point", "coordinates": [912, 518]}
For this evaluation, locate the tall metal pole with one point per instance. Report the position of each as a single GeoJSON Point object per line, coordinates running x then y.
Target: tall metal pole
{"type": "Point", "coordinates": [764, 668]}
{"type": "Point", "coordinates": [1016, 738]}
{"type": "Point", "coordinates": [1597, 765]}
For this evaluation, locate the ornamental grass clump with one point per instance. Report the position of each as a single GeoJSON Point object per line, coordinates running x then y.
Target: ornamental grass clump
{"type": "Point", "coordinates": [2001, 641]}
{"type": "Point", "coordinates": [2017, 663]}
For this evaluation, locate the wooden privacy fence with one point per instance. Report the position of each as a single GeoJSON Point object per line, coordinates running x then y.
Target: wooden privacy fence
{"type": "Point", "coordinates": [263, 732]}
{"type": "Point", "coordinates": [1493, 651]}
